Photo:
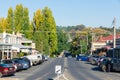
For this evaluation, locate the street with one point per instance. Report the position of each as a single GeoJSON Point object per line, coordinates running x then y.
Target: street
{"type": "Point", "coordinates": [71, 70]}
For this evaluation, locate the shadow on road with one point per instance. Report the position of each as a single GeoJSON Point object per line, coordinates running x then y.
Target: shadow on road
{"type": "Point", "coordinates": [50, 79]}
{"type": "Point", "coordinates": [87, 63]}
{"type": "Point", "coordinates": [96, 69]}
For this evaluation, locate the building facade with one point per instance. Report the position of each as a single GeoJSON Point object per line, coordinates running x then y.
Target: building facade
{"type": "Point", "coordinates": [13, 44]}
{"type": "Point", "coordinates": [105, 42]}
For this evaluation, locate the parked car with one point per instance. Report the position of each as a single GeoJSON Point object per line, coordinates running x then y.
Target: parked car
{"type": "Point", "coordinates": [10, 62]}
{"type": "Point", "coordinates": [6, 69]}
{"type": "Point", "coordinates": [26, 60]}
{"type": "Point", "coordinates": [84, 58]}
{"type": "Point", "coordinates": [105, 65]}
{"type": "Point", "coordinates": [34, 59]}
{"type": "Point", "coordinates": [18, 64]}
{"type": "Point", "coordinates": [40, 58]}
{"type": "Point", "coordinates": [24, 64]}
{"type": "Point", "coordinates": [112, 60]}
{"type": "Point", "coordinates": [44, 57]}
{"type": "Point", "coordinates": [94, 59]}
{"type": "Point", "coordinates": [81, 57]}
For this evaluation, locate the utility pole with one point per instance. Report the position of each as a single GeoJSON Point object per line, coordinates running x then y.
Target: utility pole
{"type": "Point", "coordinates": [81, 49]}
{"type": "Point", "coordinates": [91, 41]}
{"type": "Point", "coordinates": [114, 34]}
{"type": "Point", "coordinates": [87, 43]}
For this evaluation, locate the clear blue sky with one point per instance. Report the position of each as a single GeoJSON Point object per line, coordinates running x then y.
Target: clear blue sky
{"type": "Point", "coordinates": [93, 13]}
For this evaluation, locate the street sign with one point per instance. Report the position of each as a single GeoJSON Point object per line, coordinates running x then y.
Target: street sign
{"type": "Point", "coordinates": [58, 69]}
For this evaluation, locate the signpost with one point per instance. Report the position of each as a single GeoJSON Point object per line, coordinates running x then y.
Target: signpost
{"type": "Point", "coordinates": [58, 70]}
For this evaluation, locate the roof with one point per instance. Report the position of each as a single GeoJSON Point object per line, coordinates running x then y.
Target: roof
{"type": "Point", "coordinates": [6, 44]}
{"type": "Point", "coordinates": [19, 46]}
{"type": "Point", "coordinates": [110, 37]}
{"type": "Point", "coordinates": [26, 40]}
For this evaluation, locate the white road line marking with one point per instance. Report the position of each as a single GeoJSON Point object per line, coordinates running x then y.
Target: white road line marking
{"type": "Point", "coordinates": [65, 78]}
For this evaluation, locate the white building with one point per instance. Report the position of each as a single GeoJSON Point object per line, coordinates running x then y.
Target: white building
{"type": "Point", "coordinates": [12, 44]}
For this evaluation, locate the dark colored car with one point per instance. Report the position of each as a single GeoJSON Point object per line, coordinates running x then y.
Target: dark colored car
{"type": "Point", "coordinates": [44, 57]}
{"type": "Point", "coordinates": [6, 69]}
{"type": "Point", "coordinates": [105, 65]}
{"type": "Point", "coordinates": [112, 60]}
{"type": "Point", "coordinates": [24, 59]}
{"type": "Point", "coordinates": [27, 60]}
{"type": "Point", "coordinates": [18, 64]}
{"type": "Point", "coordinates": [23, 64]}
{"type": "Point", "coordinates": [81, 58]}
{"type": "Point", "coordinates": [10, 62]}
{"type": "Point", "coordinates": [84, 58]}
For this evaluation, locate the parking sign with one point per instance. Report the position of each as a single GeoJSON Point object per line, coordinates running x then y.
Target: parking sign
{"type": "Point", "coordinates": [58, 69]}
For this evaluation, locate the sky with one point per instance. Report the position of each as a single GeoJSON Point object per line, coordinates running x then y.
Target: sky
{"type": "Point", "coordinates": [91, 13]}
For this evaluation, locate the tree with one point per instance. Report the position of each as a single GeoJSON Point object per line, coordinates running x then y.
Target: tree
{"type": "Point", "coordinates": [3, 24]}
{"type": "Point", "coordinates": [18, 18]}
{"type": "Point", "coordinates": [38, 25]}
{"type": "Point", "coordinates": [79, 27]}
{"type": "Point", "coordinates": [63, 43]}
{"type": "Point", "coordinates": [25, 25]}
{"type": "Point", "coordinates": [50, 28]}
{"type": "Point", "coordinates": [38, 20]}
{"type": "Point", "coordinates": [10, 19]}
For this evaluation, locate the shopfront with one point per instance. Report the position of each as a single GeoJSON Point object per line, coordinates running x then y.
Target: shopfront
{"type": "Point", "coordinates": [5, 51]}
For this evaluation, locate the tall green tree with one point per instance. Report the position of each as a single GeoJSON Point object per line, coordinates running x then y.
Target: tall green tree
{"type": "Point", "coordinates": [10, 19]}
{"type": "Point", "coordinates": [26, 24]}
{"type": "Point", "coordinates": [0, 25]}
{"type": "Point", "coordinates": [25, 19]}
{"type": "Point", "coordinates": [37, 19]}
{"type": "Point", "coordinates": [50, 28]}
{"type": "Point", "coordinates": [38, 25]}
{"type": "Point", "coordinates": [21, 20]}
{"type": "Point", "coordinates": [3, 24]}
{"type": "Point", "coordinates": [63, 43]}
{"type": "Point", "coordinates": [30, 31]}
{"type": "Point", "coordinates": [18, 17]}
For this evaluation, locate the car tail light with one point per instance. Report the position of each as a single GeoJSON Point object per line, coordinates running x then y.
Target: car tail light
{"type": "Point", "coordinates": [5, 69]}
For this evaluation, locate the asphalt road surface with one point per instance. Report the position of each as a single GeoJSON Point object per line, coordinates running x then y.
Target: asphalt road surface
{"type": "Point", "coordinates": [71, 70]}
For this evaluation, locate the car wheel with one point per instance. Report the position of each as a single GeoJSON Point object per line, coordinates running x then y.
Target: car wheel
{"type": "Point", "coordinates": [103, 68]}
{"type": "Point", "coordinates": [0, 74]}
